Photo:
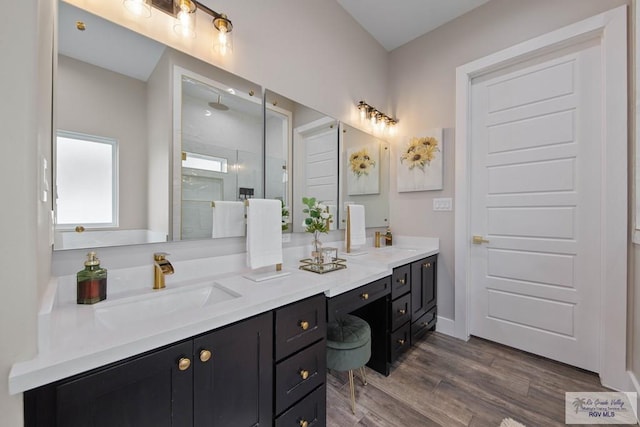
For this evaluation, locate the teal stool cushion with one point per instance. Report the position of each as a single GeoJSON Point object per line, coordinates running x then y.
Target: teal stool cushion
{"type": "Point", "coordinates": [348, 343]}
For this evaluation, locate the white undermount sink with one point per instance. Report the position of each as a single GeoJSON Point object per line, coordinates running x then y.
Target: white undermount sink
{"type": "Point", "coordinates": [129, 311]}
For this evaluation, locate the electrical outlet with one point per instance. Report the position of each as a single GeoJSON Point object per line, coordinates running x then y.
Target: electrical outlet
{"type": "Point", "coordinates": [443, 204]}
{"type": "Point", "coordinates": [286, 237]}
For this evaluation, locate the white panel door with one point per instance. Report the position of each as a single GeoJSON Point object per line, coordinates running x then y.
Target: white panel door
{"type": "Point", "coordinates": [535, 196]}
{"type": "Point", "coordinates": [321, 165]}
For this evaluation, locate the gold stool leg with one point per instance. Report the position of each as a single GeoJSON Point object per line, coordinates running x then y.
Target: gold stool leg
{"type": "Point", "coordinates": [363, 375]}
{"type": "Point", "coordinates": [353, 394]}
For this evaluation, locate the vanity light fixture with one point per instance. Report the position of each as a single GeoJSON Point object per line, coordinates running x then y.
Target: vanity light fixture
{"type": "Point", "coordinates": [378, 119]}
{"type": "Point", "coordinates": [184, 11]}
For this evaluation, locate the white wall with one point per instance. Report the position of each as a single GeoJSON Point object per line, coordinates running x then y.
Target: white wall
{"type": "Point", "coordinates": [96, 101]}
{"type": "Point", "coordinates": [25, 111]}
{"type": "Point", "coordinates": [422, 93]}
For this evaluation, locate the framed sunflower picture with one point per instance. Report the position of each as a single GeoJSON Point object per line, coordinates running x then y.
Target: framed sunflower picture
{"type": "Point", "coordinates": [363, 169]}
{"type": "Point", "coordinates": [420, 166]}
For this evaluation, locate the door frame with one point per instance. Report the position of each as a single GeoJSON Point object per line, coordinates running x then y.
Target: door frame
{"type": "Point", "coordinates": [611, 28]}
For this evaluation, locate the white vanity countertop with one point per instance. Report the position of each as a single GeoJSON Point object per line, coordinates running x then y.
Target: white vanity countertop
{"type": "Point", "coordinates": [74, 338]}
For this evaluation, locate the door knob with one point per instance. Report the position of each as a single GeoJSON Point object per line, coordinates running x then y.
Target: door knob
{"type": "Point", "coordinates": [478, 240]}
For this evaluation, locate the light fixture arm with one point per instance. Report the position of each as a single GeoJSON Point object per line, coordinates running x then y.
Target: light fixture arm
{"type": "Point", "coordinates": [220, 20]}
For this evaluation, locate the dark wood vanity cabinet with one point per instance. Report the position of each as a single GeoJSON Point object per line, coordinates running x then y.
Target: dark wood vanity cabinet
{"type": "Point", "coordinates": [424, 297]}
{"type": "Point", "coordinates": [413, 306]}
{"type": "Point", "coordinates": [400, 312]}
{"type": "Point", "coordinates": [221, 378]}
{"type": "Point", "coordinates": [232, 376]}
{"type": "Point", "coordinates": [300, 363]}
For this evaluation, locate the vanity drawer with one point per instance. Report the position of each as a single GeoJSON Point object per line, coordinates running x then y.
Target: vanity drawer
{"type": "Point", "coordinates": [299, 374]}
{"type": "Point", "coordinates": [312, 409]}
{"type": "Point", "coordinates": [420, 327]}
{"type": "Point", "coordinates": [400, 281]}
{"type": "Point", "coordinates": [400, 311]}
{"type": "Point", "coordinates": [400, 341]}
{"type": "Point", "coordinates": [300, 324]}
{"type": "Point", "coordinates": [359, 297]}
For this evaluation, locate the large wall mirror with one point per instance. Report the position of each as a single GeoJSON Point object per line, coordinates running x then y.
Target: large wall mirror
{"type": "Point", "coordinates": [119, 172]}
{"type": "Point", "coordinates": [364, 175]}
{"type": "Point", "coordinates": [302, 156]}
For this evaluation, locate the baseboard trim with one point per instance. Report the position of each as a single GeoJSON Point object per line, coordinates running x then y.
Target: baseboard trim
{"type": "Point", "coordinates": [446, 326]}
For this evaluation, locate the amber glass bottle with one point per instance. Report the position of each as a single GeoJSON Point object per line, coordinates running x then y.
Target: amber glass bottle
{"type": "Point", "coordinates": [92, 281]}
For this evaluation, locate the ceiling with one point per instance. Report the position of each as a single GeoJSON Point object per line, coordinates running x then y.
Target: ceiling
{"type": "Point", "coordinates": [393, 24]}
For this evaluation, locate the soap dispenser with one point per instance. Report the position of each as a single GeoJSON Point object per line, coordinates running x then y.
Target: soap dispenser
{"type": "Point", "coordinates": [92, 281]}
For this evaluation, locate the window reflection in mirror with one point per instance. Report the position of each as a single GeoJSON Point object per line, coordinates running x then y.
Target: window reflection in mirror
{"type": "Point", "coordinates": [311, 141]}
{"type": "Point", "coordinates": [364, 175]}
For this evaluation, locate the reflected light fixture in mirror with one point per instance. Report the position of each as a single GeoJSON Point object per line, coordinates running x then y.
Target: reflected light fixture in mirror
{"type": "Point", "coordinates": [185, 13]}
{"type": "Point", "coordinates": [379, 120]}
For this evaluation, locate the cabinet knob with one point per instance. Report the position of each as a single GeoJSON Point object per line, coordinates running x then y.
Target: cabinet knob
{"type": "Point", "coordinates": [304, 325]}
{"type": "Point", "coordinates": [427, 265]}
{"type": "Point", "coordinates": [304, 423]}
{"type": "Point", "coordinates": [184, 363]}
{"type": "Point", "coordinates": [364, 296]}
{"type": "Point", "coordinates": [304, 374]}
{"type": "Point", "coordinates": [205, 355]}
{"type": "Point", "coordinates": [401, 341]}
{"type": "Point", "coordinates": [402, 281]}
{"type": "Point", "coordinates": [402, 311]}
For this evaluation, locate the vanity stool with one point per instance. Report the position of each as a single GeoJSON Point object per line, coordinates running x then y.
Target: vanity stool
{"type": "Point", "coordinates": [349, 348]}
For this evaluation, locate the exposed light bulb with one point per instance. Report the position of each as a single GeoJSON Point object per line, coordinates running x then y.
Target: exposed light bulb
{"type": "Point", "coordinates": [186, 23]}
{"type": "Point", "coordinates": [222, 41]}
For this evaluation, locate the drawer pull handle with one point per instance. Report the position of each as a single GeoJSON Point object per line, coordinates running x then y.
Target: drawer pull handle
{"type": "Point", "coordinates": [427, 265]}
{"type": "Point", "coordinates": [364, 296]}
{"type": "Point", "coordinates": [402, 311]}
{"type": "Point", "coordinates": [205, 355]}
{"type": "Point", "coordinates": [425, 324]}
{"type": "Point", "coordinates": [401, 341]}
{"type": "Point", "coordinates": [304, 423]}
{"type": "Point", "coordinates": [304, 325]}
{"type": "Point", "coordinates": [402, 281]}
{"type": "Point", "coordinates": [184, 363]}
{"type": "Point", "coordinates": [304, 374]}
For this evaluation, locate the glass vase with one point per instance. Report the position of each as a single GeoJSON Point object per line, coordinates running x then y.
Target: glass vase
{"type": "Point", "coordinates": [316, 248]}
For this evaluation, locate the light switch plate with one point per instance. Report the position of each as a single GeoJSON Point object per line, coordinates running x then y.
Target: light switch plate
{"type": "Point", "coordinates": [286, 237]}
{"type": "Point", "coordinates": [443, 204]}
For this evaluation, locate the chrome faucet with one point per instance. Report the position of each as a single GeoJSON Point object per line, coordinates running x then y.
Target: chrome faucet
{"type": "Point", "coordinates": [161, 267]}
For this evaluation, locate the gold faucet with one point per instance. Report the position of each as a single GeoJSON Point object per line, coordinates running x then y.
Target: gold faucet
{"type": "Point", "coordinates": [161, 267]}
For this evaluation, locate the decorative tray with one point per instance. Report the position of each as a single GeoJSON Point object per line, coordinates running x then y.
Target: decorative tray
{"type": "Point", "coordinates": [324, 261]}
{"type": "Point", "coordinates": [320, 267]}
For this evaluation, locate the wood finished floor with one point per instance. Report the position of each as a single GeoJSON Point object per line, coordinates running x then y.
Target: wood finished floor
{"type": "Point", "coordinates": [448, 382]}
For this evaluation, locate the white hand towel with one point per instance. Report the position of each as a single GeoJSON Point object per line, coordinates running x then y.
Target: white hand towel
{"type": "Point", "coordinates": [228, 219]}
{"type": "Point", "coordinates": [357, 226]}
{"type": "Point", "coordinates": [264, 233]}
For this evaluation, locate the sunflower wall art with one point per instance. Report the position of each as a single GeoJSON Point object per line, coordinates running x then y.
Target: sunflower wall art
{"type": "Point", "coordinates": [363, 170]}
{"type": "Point", "coordinates": [419, 165]}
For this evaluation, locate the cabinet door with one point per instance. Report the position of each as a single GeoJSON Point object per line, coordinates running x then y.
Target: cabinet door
{"type": "Point", "coordinates": [423, 286]}
{"type": "Point", "coordinates": [233, 387]}
{"type": "Point", "coordinates": [146, 391]}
